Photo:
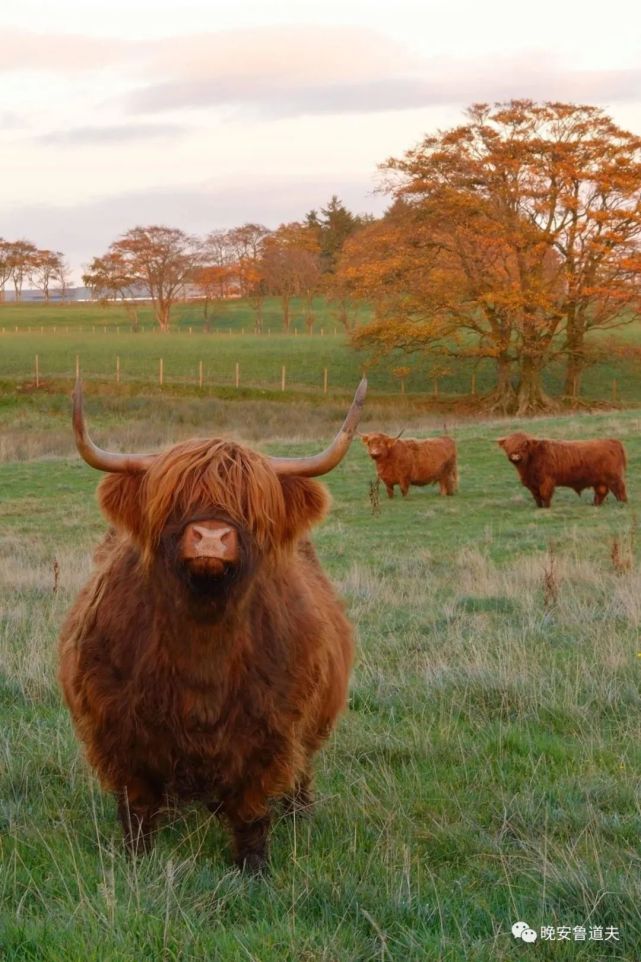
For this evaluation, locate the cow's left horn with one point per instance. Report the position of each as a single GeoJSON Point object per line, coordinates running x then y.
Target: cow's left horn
{"type": "Point", "coordinates": [95, 456]}
{"type": "Point", "coordinates": [317, 464]}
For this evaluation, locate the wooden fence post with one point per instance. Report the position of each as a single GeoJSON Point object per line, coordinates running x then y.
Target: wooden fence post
{"type": "Point", "coordinates": [324, 380]}
{"type": "Point", "coordinates": [200, 374]}
{"type": "Point", "coordinates": [161, 372]}
{"type": "Point", "coordinates": [282, 378]}
{"type": "Point", "coordinates": [237, 374]}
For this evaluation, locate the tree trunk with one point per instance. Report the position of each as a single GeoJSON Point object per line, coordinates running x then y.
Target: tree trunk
{"type": "Point", "coordinates": [259, 316]}
{"type": "Point", "coordinates": [503, 397]}
{"type": "Point", "coordinates": [530, 396]}
{"type": "Point", "coordinates": [285, 299]}
{"type": "Point", "coordinates": [163, 309]}
{"type": "Point", "coordinates": [575, 363]}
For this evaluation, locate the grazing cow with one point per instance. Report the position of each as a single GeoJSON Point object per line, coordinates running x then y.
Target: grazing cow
{"type": "Point", "coordinates": [544, 465]}
{"type": "Point", "coordinates": [207, 658]}
{"type": "Point", "coordinates": [413, 462]}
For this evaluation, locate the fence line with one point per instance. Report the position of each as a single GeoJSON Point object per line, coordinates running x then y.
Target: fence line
{"type": "Point", "coordinates": [220, 379]}
{"type": "Point", "coordinates": [56, 331]}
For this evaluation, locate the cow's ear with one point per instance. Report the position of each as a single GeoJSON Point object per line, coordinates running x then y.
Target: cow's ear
{"type": "Point", "coordinates": [306, 503]}
{"type": "Point", "coordinates": [501, 442]}
{"type": "Point", "coordinates": [364, 438]}
{"type": "Point", "coordinates": [120, 498]}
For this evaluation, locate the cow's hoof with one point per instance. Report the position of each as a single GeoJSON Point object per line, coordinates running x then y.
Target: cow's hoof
{"type": "Point", "coordinates": [253, 863]}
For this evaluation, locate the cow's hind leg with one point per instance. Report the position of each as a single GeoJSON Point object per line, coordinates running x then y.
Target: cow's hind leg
{"type": "Point", "coordinates": [405, 488]}
{"type": "Point", "coordinates": [600, 493]}
{"type": "Point", "coordinates": [618, 490]}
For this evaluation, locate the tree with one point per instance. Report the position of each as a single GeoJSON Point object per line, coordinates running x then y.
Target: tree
{"type": "Point", "coordinates": [21, 260]}
{"type": "Point", "coordinates": [48, 267]}
{"type": "Point", "coordinates": [248, 241]}
{"type": "Point", "coordinates": [332, 226]}
{"type": "Point", "coordinates": [160, 259]}
{"type": "Point", "coordinates": [291, 267]}
{"type": "Point", "coordinates": [520, 235]}
{"type": "Point", "coordinates": [218, 272]}
{"type": "Point", "coordinates": [5, 265]}
{"type": "Point", "coordinates": [110, 277]}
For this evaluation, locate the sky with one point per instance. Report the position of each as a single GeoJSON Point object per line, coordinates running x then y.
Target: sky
{"type": "Point", "coordinates": [204, 115]}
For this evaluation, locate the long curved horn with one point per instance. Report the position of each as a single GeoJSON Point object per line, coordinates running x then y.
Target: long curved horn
{"type": "Point", "coordinates": [399, 434]}
{"type": "Point", "coordinates": [95, 456]}
{"type": "Point", "coordinates": [317, 464]}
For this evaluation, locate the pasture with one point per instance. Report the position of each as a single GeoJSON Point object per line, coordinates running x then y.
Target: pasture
{"type": "Point", "coordinates": [487, 770]}
{"type": "Point", "coordinates": [99, 335]}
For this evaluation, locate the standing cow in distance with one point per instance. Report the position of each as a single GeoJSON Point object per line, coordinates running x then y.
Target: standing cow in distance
{"type": "Point", "coordinates": [413, 462]}
{"type": "Point", "coordinates": [208, 657]}
{"type": "Point", "coordinates": [544, 465]}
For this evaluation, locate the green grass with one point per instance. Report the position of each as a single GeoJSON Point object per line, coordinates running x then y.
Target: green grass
{"type": "Point", "coordinates": [97, 334]}
{"type": "Point", "coordinates": [488, 767]}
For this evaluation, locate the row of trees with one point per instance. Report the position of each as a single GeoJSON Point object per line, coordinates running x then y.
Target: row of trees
{"type": "Point", "coordinates": [164, 263]}
{"type": "Point", "coordinates": [22, 262]}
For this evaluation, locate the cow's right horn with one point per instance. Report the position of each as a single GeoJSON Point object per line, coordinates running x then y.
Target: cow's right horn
{"type": "Point", "coordinates": [95, 456]}
{"type": "Point", "coordinates": [317, 464]}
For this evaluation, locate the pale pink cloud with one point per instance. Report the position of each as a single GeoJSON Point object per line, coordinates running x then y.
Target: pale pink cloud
{"type": "Point", "coordinates": [61, 53]}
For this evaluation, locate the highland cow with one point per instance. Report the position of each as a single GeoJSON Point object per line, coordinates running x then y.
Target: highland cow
{"type": "Point", "coordinates": [544, 465]}
{"type": "Point", "coordinates": [207, 659]}
{"type": "Point", "coordinates": [432, 461]}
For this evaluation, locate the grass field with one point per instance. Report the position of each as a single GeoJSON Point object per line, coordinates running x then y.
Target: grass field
{"type": "Point", "coordinates": [487, 769]}
{"type": "Point", "coordinates": [98, 335]}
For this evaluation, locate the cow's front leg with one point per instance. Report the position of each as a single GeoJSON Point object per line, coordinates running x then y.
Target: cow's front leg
{"type": "Point", "coordinates": [138, 807]}
{"type": "Point", "coordinates": [537, 497]}
{"type": "Point", "coordinates": [546, 490]}
{"type": "Point", "coordinates": [390, 490]}
{"type": "Point", "coordinates": [301, 798]}
{"type": "Point", "coordinates": [251, 838]}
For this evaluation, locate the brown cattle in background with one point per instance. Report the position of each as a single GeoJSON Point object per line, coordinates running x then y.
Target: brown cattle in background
{"type": "Point", "coordinates": [544, 465]}
{"type": "Point", "coordinates": [431, 461]}
{"type": "Point", "coordinates": [208, 657]}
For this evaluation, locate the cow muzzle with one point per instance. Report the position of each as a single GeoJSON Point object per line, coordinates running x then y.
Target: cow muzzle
{"type": "Point", "coordinates": [515, 457]}
{"type": "Point", "coordinates": [208, 547]}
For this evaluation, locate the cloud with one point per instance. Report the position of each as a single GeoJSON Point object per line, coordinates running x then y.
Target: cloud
{"type": "Point", "coordinates": [61, 53]}
{"type": "Point", "coordinates": [287, 73]}
{"type": "Point", "coordinates": [116, 134]}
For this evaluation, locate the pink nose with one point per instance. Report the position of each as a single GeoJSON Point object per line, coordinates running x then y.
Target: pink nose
{"type": "Point", "coordinates": [210, 539]}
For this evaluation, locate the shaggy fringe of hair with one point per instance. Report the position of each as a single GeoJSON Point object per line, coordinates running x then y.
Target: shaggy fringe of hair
{"type": "Point", "coordinates": [237, 480]}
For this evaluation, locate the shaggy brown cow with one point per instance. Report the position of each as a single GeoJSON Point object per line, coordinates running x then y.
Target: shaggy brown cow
{"type": "Point", "coordinates": [208, 657]}
{"type": "Point", "coordinates": [413, 462]}
{"type": "Point", "coordinates": [544, 465]}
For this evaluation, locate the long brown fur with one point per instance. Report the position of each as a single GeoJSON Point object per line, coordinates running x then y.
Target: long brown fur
{"type": "Point", "coordinates": [413, 462]}
{"type": "Point", "coordinates": [222, 698]}
{"type": "Point", "coordinates": [544, 465]}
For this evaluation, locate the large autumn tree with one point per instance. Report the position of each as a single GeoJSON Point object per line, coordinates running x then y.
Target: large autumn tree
{"type": "Point", "coordinates": [513, 236]}
{"type": "Point", "coordinates": [158, 259]}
